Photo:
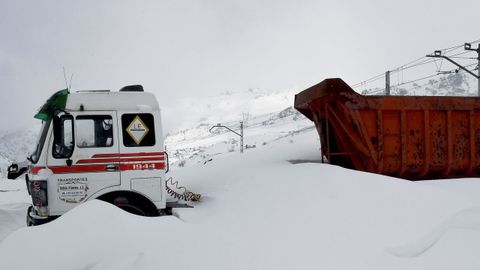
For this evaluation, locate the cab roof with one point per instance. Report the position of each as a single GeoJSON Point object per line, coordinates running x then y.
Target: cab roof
{"type": "Point", "coordinates": [94, 100]}
{"type": "Point", "coordinates": [111, 101]}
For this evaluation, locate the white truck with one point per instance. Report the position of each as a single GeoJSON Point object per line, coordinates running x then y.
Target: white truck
{"type": "Point", "coordinates": [97, 144]}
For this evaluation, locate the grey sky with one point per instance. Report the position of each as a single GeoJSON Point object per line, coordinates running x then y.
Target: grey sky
{"type": "Point", "coordinates": [182, 48]}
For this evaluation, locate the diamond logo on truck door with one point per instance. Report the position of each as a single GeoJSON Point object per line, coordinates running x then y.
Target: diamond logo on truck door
{"type": "Point", "coordinates": [137, 130]}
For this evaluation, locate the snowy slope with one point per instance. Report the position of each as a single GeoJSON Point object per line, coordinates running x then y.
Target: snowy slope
{"type": "Point", "coordinates": [15, 145]}
{"type": "Point", "coordinates": [198, 145]}
{"type": "Point", "coordinates": [267, 116]}
{"type": "Point", "coordinates": [261, 211]}
{"type": "Point", "coordinates": [226, 107]}
{"type": "Point", "coordinates": [455, 84]}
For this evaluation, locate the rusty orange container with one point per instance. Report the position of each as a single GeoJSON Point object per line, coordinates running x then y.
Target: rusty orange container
{"type": "Point", "coordinates": [411, 137]}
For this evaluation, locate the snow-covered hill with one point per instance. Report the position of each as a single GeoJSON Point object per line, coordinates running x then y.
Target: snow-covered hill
{"type": "Point", "coordinates": [199, 145]}
{"type": "Point", "coordinates": [227, 106]}
{"type": "Point", "coordinates": [454, 84]}
{"type": "Point", "coordinates": [266, 115]}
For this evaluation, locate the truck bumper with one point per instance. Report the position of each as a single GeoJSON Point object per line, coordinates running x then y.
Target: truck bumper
{"type": "Point", "coordinates": [34, 220]}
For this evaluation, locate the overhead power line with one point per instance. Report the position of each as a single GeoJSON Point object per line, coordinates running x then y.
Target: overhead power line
{"type": "Point", "coordinates": [447, 54]}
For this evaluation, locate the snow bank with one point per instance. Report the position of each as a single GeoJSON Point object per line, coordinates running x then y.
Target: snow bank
{"type": "Point", "coordinates": [14, 201]}
{"type": "Point", "coordinates": [261, 211]}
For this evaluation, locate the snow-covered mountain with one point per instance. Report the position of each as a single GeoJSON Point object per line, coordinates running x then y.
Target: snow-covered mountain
{"type": "Point", "coordinates": [454, 84]}
{"type": "Point", "coordinates": [226, 107]}
{"type": "Point", "coordinates": [199, 145]}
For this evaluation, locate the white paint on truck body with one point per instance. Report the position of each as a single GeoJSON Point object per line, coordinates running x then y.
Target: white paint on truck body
{"type": "Point", "coordinates": [106, 156]}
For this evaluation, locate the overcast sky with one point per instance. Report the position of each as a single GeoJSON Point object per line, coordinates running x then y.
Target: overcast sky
{"type": "Point", "coordinates": [188, 48]}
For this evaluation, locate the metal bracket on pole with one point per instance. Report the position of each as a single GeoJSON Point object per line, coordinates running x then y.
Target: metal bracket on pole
{"type": "Point", "coordinates": [233, 131]}
{"type": "Point", "coordinates": [438, 54]}
{"type": "Point", "coordinates": [467, 47]}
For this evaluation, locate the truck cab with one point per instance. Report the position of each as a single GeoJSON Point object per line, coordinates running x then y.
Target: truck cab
{"type": "Point", "coordinates": [97, 145]}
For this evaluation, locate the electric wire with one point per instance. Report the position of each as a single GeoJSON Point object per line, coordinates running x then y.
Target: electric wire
{"type": "Point", "coordinates": [419, 86]}
{"type": "Point", "coordinates": [396, 86]}
{"type": "Point", "coordinates": [450, 52]}
{"type": "Point", "coordinates": [431, 76]}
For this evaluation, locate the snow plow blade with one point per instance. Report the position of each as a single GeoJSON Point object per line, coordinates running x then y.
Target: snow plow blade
{"type": "Point", "coordinates": [411, 137]}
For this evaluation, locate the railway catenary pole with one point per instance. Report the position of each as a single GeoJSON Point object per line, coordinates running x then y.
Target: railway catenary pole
{"type": "Point", "coordinates": [387, 83]}
{"type": "Point", "coordinates": [468, 47]}
{"type": "Point", "coordinates": [233, 131]}
{"type": "Point", "coordinates": [241, 136]}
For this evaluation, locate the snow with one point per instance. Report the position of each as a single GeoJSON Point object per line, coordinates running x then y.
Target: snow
{"type": "Point", "coordinates": [15, 146]}
{"type": "Point", "coordinates": [198, 145]}
{"type": "Point", "coordinates": [274, 207]}
{"type": "Point", "coordinates": [452, 84]}
{"type": "Point", "coordinates": [227, 107]}
{"type": "Point", "coordinates": [14, 201]}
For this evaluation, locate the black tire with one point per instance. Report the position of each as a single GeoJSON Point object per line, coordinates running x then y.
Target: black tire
{"type": "Point", "coordinates": [132, 209]}
{"type": "Point", "coordinates": [131, 203]}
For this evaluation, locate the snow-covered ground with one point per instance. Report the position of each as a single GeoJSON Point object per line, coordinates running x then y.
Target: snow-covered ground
{"type": "Point", "coordinates": [199, 145]}
{"type": "Point", "coordinates": [274, 207]}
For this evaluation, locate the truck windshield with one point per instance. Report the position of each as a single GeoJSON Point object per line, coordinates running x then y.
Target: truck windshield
{"type": "Point", "coordinates": [41, 141]}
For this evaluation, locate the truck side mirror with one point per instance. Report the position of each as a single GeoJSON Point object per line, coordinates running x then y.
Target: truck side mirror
{"type": "Point", "coordinates": [14, 171]}
{"type": "Point", "coordinates": [63, 139]}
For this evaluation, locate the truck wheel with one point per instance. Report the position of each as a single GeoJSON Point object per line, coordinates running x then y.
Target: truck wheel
{"type": "Point", "coordinates": [132, 203]}
{"type": "Point", "coordinates": [130, 208]}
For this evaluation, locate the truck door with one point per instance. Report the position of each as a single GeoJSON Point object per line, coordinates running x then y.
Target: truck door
{"type": "Point", "coordinates": [141, 148]}
{"type": "Point", "coordinates": [92, 165]}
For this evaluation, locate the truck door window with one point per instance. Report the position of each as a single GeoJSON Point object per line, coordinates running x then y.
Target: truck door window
{"type": "Point", "coordinates": [63, 137]}
{"type": "Point", "coordinates": [94, 131]}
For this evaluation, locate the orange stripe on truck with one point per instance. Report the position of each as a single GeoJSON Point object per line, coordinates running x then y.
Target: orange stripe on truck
{"type": "Point", "coordinates": [102, 168]}
{"type": "Point", "coordinates": [110, 160]}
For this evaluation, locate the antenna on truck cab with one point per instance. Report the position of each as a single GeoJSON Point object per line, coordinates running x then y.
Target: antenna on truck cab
{"type": "Point", "coordinates": [65, 77]}
{"type": "Point", "coordinates": [69, 86]}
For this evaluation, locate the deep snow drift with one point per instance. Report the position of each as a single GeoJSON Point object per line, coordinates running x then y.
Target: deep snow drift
{"type": "Point", "coordinates": [262, 211]}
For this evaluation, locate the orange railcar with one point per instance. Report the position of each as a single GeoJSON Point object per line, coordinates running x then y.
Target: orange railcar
{"type": "Point", "coordinates": [411, 137]}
